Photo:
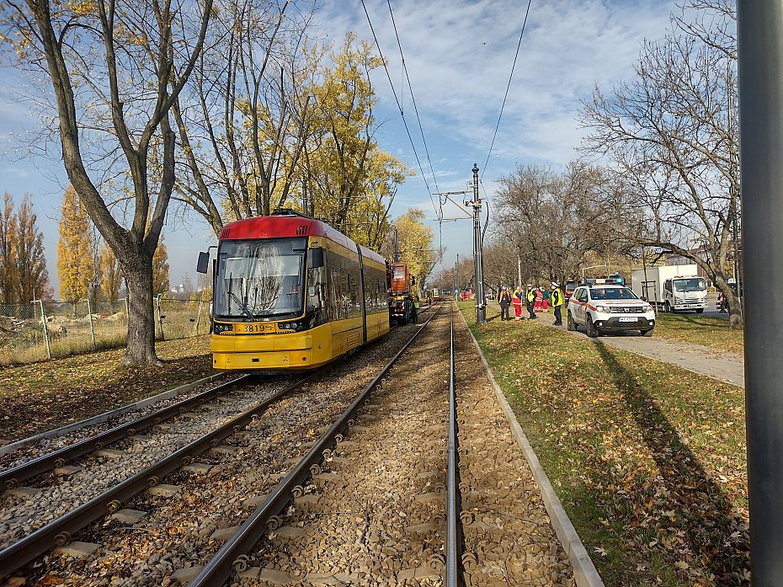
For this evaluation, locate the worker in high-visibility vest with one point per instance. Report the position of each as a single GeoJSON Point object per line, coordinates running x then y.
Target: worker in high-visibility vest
{"type": "Point", "coordinates": [557, 299]}
{"type": "Point", "coordinates": [516, 301]}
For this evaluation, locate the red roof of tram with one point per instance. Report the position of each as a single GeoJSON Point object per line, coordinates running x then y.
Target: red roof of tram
{"type": "Point", "coordinates": [289, 226]}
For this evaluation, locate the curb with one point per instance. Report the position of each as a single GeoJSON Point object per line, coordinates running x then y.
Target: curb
{"type": "Point", "coordinates": [106, 415]}
{"type": "Point", "coordinates": [585, 573]}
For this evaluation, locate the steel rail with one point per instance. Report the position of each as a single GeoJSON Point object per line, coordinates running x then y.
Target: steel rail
{"type": "Point", "coordinates": [11, 478]}
{"type": "Point", "coordinates": [453, 534]}
{"type": "Point", "coordinates": [265, 517]}
{"type": "Point", "coordinates": [59, 531]}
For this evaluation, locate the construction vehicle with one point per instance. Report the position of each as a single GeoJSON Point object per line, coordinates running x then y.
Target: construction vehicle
{"type": "Point", "coordinates": [402, 303]}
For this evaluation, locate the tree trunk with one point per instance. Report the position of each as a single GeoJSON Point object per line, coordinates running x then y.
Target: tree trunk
{"type": "Point", "coordinates": [141, 319]}
{"type": "Point", "coordinates": [735, 310]}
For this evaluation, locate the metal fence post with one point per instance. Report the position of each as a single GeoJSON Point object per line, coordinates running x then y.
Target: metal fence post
{"type": "Point", "coordinates": [45, 329]}
{"type": "Point", "coordinates": [160, 317]}
{"type": "Point", "coordinates": [198, 317]}
{"type": "Point", "coordinates": [92, 327]}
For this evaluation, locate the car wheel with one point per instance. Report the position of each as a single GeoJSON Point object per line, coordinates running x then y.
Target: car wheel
{"type": "Point", "coordinates": [592, 331]}
{"type": "Point", "coordinates": [570, 324]}
{"type": "Point", "coordinates": [667, 307]}
{"type": "Point", "coordinates": [647, 333]}
{"type": "Point", "coordinates": [700, 310]}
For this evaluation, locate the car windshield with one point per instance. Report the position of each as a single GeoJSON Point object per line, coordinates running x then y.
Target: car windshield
{"type": "Point", "coordinates": [260, 278]}
{"type": "Point", "coordinates": [691, 284]}
{"type": "Point", "coordinates": [612, 293]}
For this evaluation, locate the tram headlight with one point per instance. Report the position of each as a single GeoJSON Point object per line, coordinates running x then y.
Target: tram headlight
{"type": "Point", "coordinates": [219, 328]}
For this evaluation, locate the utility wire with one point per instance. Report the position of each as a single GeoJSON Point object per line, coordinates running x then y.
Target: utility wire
{"type": "Point", "coordinates": [399, 106]}
{"type": "Point", "coordinates": [508, 87]}
{"type": "Point", "coordinates": [413, 97]}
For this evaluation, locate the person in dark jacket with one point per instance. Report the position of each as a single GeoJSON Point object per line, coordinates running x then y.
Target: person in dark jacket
{"type": "Point", "coordinates": [505, 301]}
{"type": "Point", "coordinates": [531, 302]}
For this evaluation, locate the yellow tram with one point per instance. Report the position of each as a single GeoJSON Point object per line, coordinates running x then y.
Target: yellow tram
{"type": "Point", "coordinates": [291, 292]}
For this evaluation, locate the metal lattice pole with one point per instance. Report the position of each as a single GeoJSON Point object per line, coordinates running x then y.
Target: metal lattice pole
{"type": "Point", "coordinates": [478, 260]}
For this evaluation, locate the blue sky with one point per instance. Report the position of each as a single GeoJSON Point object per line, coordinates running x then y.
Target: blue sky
{"type": "Point", "coordinates": [459, 55]}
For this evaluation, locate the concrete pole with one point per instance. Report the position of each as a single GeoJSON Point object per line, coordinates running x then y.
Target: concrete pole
{"type": "Point", "coordinates": [760, 28]}
{"type": "Point", "coordinates": [519, 270]}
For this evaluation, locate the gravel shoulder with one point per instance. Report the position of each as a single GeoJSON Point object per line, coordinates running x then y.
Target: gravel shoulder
{"type": "Point", "coordinates": [41, 396]}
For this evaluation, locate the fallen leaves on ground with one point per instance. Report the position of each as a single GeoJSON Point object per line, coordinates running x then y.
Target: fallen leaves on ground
{"type": "Point", "coordinates": [42, 396]}
{"type": "Point", "coordinates": [648, 459]}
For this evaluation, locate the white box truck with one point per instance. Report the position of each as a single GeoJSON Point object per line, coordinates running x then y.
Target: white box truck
{"type": "Point", "coordinates": [671, 287]}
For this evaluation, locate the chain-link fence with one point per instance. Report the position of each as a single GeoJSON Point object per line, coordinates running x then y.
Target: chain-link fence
{"type": "Point", "coordinates": [44, 330]}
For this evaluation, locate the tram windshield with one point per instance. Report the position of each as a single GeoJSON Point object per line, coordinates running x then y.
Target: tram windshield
{"type": "Point", "coordinates": [260, 278]}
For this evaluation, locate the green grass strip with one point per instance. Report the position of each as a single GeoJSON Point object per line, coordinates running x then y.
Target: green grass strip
{"type": "Point", "coordinates": [648, 459]}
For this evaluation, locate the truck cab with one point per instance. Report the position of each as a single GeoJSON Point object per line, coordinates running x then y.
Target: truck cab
{"type": "Point", "coordinates": [685, 293]}
{"type": "Point", "coordinates": [402, 305]}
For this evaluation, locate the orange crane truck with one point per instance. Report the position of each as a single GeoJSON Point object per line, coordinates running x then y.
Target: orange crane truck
{"type": "Point", "coordinates": [402, 306]}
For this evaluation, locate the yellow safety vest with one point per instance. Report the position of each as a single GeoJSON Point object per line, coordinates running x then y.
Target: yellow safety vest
{"type": "Point", "coordinates": [557, 297]}
{"type": "Point", "coordinates": [531, 295]}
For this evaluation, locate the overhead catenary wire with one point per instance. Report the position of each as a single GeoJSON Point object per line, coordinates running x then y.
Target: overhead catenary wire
{"type": "Point", "coordinates": [413, 97]}
{"type": "Point", "coordinates": [508, 87]}
{"type": "Point", "coordinates": [402, 113]}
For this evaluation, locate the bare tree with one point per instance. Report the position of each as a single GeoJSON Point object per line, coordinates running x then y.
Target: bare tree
{"type": "Point", "coordinates": [672, 133]}
{"type": "Point", "coordinates": [116, 69]}
{"type": "Point", "coordinates": [31, 274]}
{"type": "Point", "coordinates": [553, 220]}
{"type": "Point", "coordinates": [278, 122]}
{"type": "Point", "coordinates": [244, 127]}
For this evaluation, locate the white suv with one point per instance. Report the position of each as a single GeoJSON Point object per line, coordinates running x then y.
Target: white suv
{"type": "Point", "coordinates": [609, 308]}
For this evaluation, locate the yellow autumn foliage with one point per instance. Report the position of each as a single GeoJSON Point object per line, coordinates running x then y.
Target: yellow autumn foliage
{"type": "Point", "coordinates": [74, 249]}
{"type": "Point", "coordinates": [160, 269]}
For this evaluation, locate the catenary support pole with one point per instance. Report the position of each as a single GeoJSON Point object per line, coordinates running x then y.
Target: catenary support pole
{"type": "Point", "coordinates": [456, 280]}
{"type": "Point", "coordinates": [760, 28]}
{"type": "Point", "coordinates": [481, 313]}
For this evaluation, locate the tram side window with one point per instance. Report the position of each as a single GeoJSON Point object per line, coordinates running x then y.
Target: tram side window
{"type": "Point", "coordinates": [339, 288]}
{"type": "Point", "coordinates": [335, 292]}
{"type": "Point", "coordinates": [342, 284]}
{"type": "Point", "coordinates": [375, 289]}
{"type": "Point", "coordinates": [383, 296]}
{"type": "Point", "coordinates": [356, 290]}
{"type": "Point", "coordinates": [317, 302]}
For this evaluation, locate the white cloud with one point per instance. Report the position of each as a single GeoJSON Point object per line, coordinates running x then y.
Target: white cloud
{"type": "Point", "coordinates": [459, 57]}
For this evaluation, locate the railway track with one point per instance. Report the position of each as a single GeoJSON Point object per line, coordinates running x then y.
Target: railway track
{"type": "Point", "coordinates": [406, 475]}
{"type": "Point", "coordinates": [385, 505]}
{"type": "Point", "coordinates": [25, 507]}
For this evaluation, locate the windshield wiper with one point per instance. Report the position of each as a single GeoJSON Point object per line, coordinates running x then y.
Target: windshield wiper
{"type": "Point", "coordinates": [242, 305]}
